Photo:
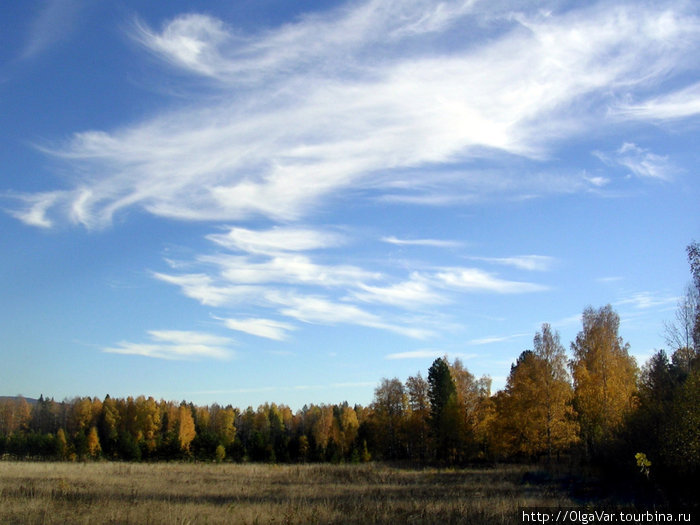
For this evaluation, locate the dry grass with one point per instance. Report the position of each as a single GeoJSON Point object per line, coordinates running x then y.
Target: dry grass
{"type": "Point", "coordinates": [189, 493]}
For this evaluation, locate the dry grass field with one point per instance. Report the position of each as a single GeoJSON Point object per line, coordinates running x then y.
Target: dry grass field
{"type": "Point", "coordinates": [194, 493]}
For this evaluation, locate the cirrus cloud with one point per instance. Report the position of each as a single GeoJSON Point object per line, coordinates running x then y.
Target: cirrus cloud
{"type": "Point", "coordinates": [177, 345]}
{"type": "Point", "coordinates": [266, 328]}
{"type": "Point", "coordinates": [283, 279]}
{"type": "Point", "coordinates": [332, 102]}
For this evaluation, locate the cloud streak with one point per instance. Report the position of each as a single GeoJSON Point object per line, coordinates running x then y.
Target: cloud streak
{"type": "Point", "coordinates": [476, 280]}
{"type": "Point", "coordinates": [680, 104]}
{"type": "Point", "coordinates": [416, 354]}
{"type": "Point", "coordinates": [275, 241]}
{"type": "Point", "coordinates": [647, 300]}
{"type": "Point", "coordinates": [431, 243]}
{"type": "Point", "coordinates": [259, 270]}
{"type": "Point", "coordinates": [425, 354]}
{"type": "Point", "coordinates": [267, 328]}
{"type": "Point", "coordinates": [54, 22]}
{"type": "Point", "coordinates": [417, 291]}
{"type": "Point", "coordinates": [639, 161]}
{"type": "Point", "coordinates": [495, 339]}
{"type": "Point", "coordinates": [524, 262]}
{"type": "Point", "coordinates": [176, 345]}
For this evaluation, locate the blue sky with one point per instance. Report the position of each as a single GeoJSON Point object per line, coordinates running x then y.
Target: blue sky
{"type": "Point", "coordinates": [287, 201]}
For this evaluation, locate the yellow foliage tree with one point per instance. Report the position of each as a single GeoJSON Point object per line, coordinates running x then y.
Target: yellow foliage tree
{"type": "Point", "coordinates": [516, 429]}
{"type": "Point", "coordinates": [80, 415]}
{"type": "Point", "coordinates": [93, 443]}
{"type": "Point", "coordinates": [535, 412]}
{"type": "Point", "coordinates": [604, 376]}
{"type": "Point", "coordinates": [223, 425]}
{"type": "Point", "coordinates": [303, 447]}
{"type": "Point", "coordinates": [185, 429]}
{"type": "Point", "coordinates": [473, 402]}
{"type": "Point", "coordinates": [169, 416]}
{"type": "Point", "coordinates": [61, 444]}
{"type": "Point", "coordinates": [322, 428]}
{"type": "Point", "coordinates": [203, 417]}
{"type": "Point", "coordinates": [556, 393]}
{"type": "Point", "coordinates": [15, 414]}
{"type": "Point", "coordinates": [348, 428]}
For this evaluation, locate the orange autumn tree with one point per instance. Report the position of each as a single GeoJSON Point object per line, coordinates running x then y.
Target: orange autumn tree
{"type": "Point", "coordinates": [150, 421]}
{"type": "Point", "coordinates": [349, 426]}
{"type": "Point", "coordinates": [93, 443]}
{"type": "Point", "coordinates": [604, 375]}
{"type": "Point", "coordinates": [517, 428]}
{"type": "Point", "coordinates": [185, 428]}
{"type": "Point", "coordinates": [556, 393]}
{"type": "Point", "coordinates": [535, 413]}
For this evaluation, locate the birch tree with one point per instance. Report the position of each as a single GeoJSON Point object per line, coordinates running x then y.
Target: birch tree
{"type": "Point", "coordinates": [604, 376]}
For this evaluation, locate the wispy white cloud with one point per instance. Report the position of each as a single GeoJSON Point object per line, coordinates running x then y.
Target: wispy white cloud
{"type": "Point", "coordinates": [209, 291]}
{"type": "Point", "coordinates": [332, 102]}
{"type": "Point", "coordinates": [206, 46]}
{"type": "Point", "coordinates": [275, 240]}
{"type": "Point", "coordinates": [426, 353]}
{"type": "Point", "coordinates": [55, 21]}
{"type": "Point", "coordinates": [413, 293]}
{"type": "Point", "coordinates": [598, 181]}
{"type": "Point", "coordinates": [319, 310]}
{"type": "Point", "coordinates": [523, 262]}
{"type": "Point", "coordinates": [495, 339]}
{"type": "Point", "coordinates": [679, 104]}
{"type": "Point", "coordinates": [291, 284]}
{"type": "Point", "coordinates": [176, 344]}
{"type": "Point", "coordinates": [643, 163]}
{"type": "Point", "coordinates": [416, 196]}
{"type": "Point", "coordinates": [33, 212]}
{"type": "Point", "coordinates": [432, 243]}
{"type": "Point", "coordinates": [474, 279]}
{"type": "Point", "coordinates": [417, 354]}
{"type": "Point", "coordinates": [290, 269]}
{"type": "Point", "coordinates": [266, 328]}
{"type": "Point", "coordinates": [192, 41]}
{"type": "Point", "coordinates": [469, 186]}
{"type": "Point", "coordinates": [639, 161]}
{"type": "Point", "coordinates": [646, 300]}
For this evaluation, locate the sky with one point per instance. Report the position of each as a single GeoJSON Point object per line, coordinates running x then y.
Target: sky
{"type": "Point", "coordinates": [269, 201]}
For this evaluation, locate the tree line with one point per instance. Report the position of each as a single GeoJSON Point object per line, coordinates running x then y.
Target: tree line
{"type": "Point", "coordinates": [598, 407]}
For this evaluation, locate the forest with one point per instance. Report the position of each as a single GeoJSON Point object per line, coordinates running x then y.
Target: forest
{"type": "Point", "coordinates": [595, 409]}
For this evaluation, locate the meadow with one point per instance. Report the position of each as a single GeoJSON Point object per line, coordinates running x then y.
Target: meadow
{"type": "Point", "coordinates": [194, 493]}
